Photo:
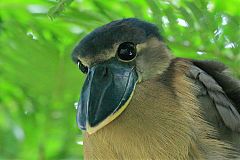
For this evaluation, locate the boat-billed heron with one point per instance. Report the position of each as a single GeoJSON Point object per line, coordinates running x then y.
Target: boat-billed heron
{"type": "Point", "coordinates": [139, 102]}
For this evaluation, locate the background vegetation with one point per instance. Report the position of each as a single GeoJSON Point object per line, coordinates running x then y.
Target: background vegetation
{"type": "Point", "coordinates": [39, 84]}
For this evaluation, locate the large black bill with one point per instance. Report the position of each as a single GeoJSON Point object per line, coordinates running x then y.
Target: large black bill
{"type": "Point", "coordinates": [107, 88]}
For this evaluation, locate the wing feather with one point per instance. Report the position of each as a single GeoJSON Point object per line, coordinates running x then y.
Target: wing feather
{"type": "Point", "coordinates": [225, 106]}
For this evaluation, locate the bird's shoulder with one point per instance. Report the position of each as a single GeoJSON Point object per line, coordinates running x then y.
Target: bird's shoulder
{"type": "Point", "coordinates": [218, 91]}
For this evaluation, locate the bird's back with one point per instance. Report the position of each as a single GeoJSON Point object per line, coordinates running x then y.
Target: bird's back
{"type": "Point", "coordinates": [220, 99]}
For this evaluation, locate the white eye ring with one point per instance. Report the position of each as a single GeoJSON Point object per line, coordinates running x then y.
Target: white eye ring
{"type": "Point", "coordinates": [83, 68]}
{"type": "Point", "coordinates": [78, 63]}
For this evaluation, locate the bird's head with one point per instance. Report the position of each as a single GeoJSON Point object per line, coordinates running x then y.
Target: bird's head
{"type": "Point", "coordinates": [116, 57]}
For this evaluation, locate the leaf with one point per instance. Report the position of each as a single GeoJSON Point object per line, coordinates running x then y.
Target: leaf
{"type": "Point", "coordinates": [58, 8]}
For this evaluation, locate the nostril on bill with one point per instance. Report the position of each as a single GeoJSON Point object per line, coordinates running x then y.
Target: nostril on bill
{"type": "Point", "coordinates": [105, 72]}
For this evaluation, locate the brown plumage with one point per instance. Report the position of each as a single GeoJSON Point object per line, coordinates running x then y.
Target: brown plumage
{"type": "Point", "coordinates": [181, 109]}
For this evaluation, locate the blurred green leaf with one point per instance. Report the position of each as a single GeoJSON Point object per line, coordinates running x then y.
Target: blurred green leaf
{"type": "Point", "coordinates": [59, 8]}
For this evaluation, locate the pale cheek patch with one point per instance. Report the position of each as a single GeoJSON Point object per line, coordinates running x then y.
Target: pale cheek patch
{"type": "Point", "coordinates": [101, 57]}
{"type": "Point", "coordinates": [153, 58]}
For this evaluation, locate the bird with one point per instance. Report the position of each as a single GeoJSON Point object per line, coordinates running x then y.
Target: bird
{"type": "Point", "coordinates": [139, 101]}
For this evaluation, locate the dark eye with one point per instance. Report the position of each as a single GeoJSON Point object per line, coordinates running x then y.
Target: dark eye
{"type": "Point", "coordinates": [83, 68]}
{"type": "Point", "coordinates": [126, 51]}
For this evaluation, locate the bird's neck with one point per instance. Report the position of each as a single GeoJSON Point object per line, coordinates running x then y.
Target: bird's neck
{"type": "Point", "coordinates": [162, 121]}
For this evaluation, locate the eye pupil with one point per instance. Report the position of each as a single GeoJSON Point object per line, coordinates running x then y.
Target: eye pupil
{"type": "Point", "coordinates": [126, 51]}
{"type": "Point", "coordinates": [83, 68]}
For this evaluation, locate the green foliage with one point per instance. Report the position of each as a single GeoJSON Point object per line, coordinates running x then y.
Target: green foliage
{"type": "Point", "coordinates": [39, 84]}
{"type": "Point", "coordinates": [58, 8]}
